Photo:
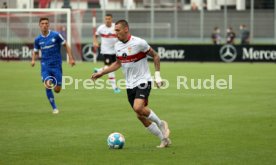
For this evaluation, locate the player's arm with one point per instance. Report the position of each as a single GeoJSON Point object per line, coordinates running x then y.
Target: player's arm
{"type": "Point", "coordinates": [156, 60]}
{"type": "Point", "coordinates": [95, 41]}
{"type": "Point", "coordinates": [34, 57]}
{"type": "Point", "coordinates": [113, 67]}
{"type": "Point", "coordinates": [35, 52]}
{"type": "Point", "coordinates": [70, 56]}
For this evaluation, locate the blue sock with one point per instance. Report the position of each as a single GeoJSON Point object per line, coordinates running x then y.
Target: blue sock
{"type": "Point", "coordinates": [51, 98]}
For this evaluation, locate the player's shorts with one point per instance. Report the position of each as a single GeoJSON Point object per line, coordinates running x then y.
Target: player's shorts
{"type": "Point", "coordinates": [142, 92]}
{"type": "Point", "coordinates": [53, 74]}
{"type": "Point", "coordinates": [109, 58]}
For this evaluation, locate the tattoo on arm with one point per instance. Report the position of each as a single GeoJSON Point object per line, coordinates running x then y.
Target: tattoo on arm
{"type": "Point", "coordinates": [156, 59]}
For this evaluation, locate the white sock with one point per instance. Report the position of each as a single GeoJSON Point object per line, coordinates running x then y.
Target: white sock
{"type": "Point", "coordinates": [112, 80]}
{"type": "Point", "coordinates": [99, 70]}
{"type": "Point", "coordinates": [153, 117]}
{"type": "Point", "coordinates": [155, 130]}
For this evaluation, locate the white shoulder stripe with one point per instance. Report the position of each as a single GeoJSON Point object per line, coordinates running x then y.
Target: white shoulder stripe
{"type": "Point", "coordinates": [61, 36]}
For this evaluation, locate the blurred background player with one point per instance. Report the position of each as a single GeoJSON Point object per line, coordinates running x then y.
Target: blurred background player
{"type": "Point", "coordinates": [245, 35]}
{"type": "Point", "coordinates": [108, 39]}
{"type": "Point", "coordinates": [216, 38]}
{"type": "Point", "coordinates": [230, 36]}
{"type": "Point", "coordinates": [4, 5]}
{"type": "Point", "coordinates": [49, 42]}
{"type": "Point", "coordinates": [132, 54]}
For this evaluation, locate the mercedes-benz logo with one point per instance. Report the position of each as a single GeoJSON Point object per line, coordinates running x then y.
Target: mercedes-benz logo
{"type": "Point", "coordinates": [228, 53]}
{"type": "Point", "coordinates": [87, 52]}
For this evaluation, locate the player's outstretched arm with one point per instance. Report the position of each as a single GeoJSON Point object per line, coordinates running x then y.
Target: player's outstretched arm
{"type": "Point", "coordinates": [34, 56]}
{"type": "Point", "coordinates": [113, 67]}
{"type": "Point", "coordinates": [69, 52]}
{"type": "Point", "coordinates": [95, 41]}
{"type": "Point", "coordinates": [156, 60]}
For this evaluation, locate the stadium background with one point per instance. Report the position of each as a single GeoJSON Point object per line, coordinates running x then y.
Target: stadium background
{"type": "Point", "coordinates": [236, 126]}
{"type": "Point", "coordinates": [162, 22]}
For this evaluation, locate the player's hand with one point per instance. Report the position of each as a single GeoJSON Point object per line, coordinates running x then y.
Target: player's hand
{"type": "Point", "coordinates": [95, 76]}
{"type": "Point", "coordinates": [72, 62]}
{"type": "Point", "coordinates": [158, 80]}
{"type": "Point", "coordinates": [33, 63]}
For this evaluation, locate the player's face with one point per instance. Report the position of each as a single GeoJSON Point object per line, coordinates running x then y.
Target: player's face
{"type": "Point", "coordinates": [121, 32]}
{"type": "Point", "coordinates": [44, 25]}
{"type": "Point", "coordinates": [108, 21]}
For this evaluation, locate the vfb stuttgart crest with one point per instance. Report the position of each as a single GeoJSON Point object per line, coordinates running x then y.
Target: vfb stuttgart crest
{"type": "Point", "coordinates": [129, 50]}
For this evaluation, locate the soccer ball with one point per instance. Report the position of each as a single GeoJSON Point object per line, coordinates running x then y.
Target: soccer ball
{"type": "Point", "coordinates": [116, 140]}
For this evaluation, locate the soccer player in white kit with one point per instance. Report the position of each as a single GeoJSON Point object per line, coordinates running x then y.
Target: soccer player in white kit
{"type": "Point", "coordinates": [131, 55]}
{"type": "Point", "coordinates": [108, 38]}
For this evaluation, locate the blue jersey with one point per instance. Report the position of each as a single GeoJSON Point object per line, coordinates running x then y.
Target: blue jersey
{"type": "Point", "coordinates": [50, 49]}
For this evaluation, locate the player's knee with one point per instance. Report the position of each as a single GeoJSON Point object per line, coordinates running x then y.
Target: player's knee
{"type": "Point", "coordinates": [57, 89]}
{"type": "Point", "coordinates": [138, 109]}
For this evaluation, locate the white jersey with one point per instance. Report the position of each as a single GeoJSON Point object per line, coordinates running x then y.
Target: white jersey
{"type": "Point", "coordinates": [108, 38]}
{"type": "Point", "coordinates": [133, 56]}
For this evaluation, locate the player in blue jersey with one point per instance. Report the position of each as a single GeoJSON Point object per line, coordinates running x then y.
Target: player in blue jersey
{"type": "Point", "coordinates": [49, 43]}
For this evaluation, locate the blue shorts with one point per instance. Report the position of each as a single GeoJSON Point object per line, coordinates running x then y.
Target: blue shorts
{"type": "Point", "coordinates": [54, 74]}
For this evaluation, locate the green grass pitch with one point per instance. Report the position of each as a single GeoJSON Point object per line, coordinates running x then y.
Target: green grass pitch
{"type": "Point", "coordinates": [230, 126]}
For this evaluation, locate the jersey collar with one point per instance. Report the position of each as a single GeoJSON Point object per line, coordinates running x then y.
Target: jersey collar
{"type": "Point", "coordinates": [49, 31]}
{"type": "Point", "coordinates": [128, 38]}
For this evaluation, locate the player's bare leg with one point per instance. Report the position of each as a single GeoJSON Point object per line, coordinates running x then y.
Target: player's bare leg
{"type": "Point", "coordinates": [142, 110]}
{"type": "Point", "coordinates": [57, 89]}
{"type": "Point", "coordinates": [139, 107]}
{"type": "Point", "coordinates": [150, 120]}
{"type": "Point", "coordinates": [146, 122]}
